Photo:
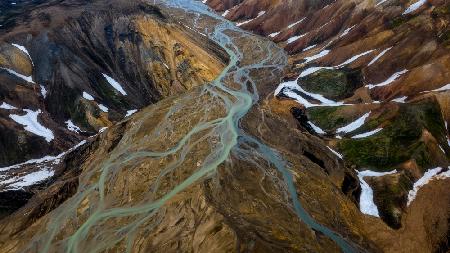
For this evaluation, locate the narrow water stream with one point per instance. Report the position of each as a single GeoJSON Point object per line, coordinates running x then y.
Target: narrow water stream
{"type": "Point", "coordinates": [207, 134]}
{"type": "Point", "coordinates": [267, 153]}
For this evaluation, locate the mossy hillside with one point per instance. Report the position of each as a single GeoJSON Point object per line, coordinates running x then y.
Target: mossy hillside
{"type": "Point", "coordinates": [329, 118]}
{"type": "Point", "coordinates": [399, 141]}
{"type": "Point", "coordinates": [441, 11]}
{"type": "Point", "coordinates": [398, 22]}
{"type": "Point", "coordinates": [428, 113]}
{"type": "Point", "coordinates": [72, 107]}
{"type": "Point", "coordinates": [78, 115]}
{"type": "Point", "coordinates": [325, 117]}
{"type": "Point", "coordinates": [444, 37]}
{"type": "Point", "coordinates": [379, 118]}
{"type": "Point", "coordinates": [335, 84]}
{"type": "Point", "coordinates": [110, 96]}
{"type": "Point", "coordinates": [64, 103]}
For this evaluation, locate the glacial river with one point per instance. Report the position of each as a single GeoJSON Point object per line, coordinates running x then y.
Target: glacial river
{"type": "Point", "coordinates": [199, 131]}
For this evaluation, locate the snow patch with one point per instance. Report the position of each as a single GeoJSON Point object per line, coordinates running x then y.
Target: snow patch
{"type": "Point", "coordinates": [389, 80]}
{"type": "Point", "coordinates": [29, 179]}
{"type": "Point", "coordinates": [308, 48]}
{"type": "Point", "coordinates": [289, 89]}
{"type": "Point", "coordinates": [354, 58]}
{"type": "Point", "coordinates": [346, 31]}
{"type": "Point", "coordinates": [381, 2]}
{"type": "Point", "coordinates": [245, 22]}
{"type": "Point", "coordinates": [364, 135]}
{"type": "Point", "coordinates": [413, 7]}
{"type": "Point", "coordinates": [194, 30]}
{"type": "Point", "coordinates": [296, 23]}
{"type": "Point", "coordinates": [400, 99]}
{"type": "Point", "coordinates": [448, 139]}
{"type": "Point", "coordinates": [316, 128]}
{"type": "Point", "coordinates": [354, 125]}
{"type": "Point", "coordinates": [43, 91]}
{"type": "Point", "coordinates": [376, 58]}
{"type": "Point", "coordinates": [294, 38]}
{"type": "Point", "coordinates": [7, 106]}
{"type": "Point", "coordinates": [87, 96]}
{"type": "Point", "coordinates": [317, 56]}
{"type": "Point", "coordinates": [335, 152]}
{"type": "Point", "coordinates": [45, 159]}
{"type": "Point", "coordinates": [15, 183]}
{"type": "Point", "coordinates": [443, 88]}
{"type": "Point", "coordinates": [103, 108]}
{"type": "Point", "coordinates": [312, 70]}
{"type": "Point", "coordinates": [130, 112]}
{"type": "Point", "coordinates": [272, 35]}
{"type": "Point", "coordinates": [72, 127]}
{"type": "Point", "coordinates": [31, 124]}
{"type": "Point", "coordinates": [26, 78]}
{"type": "Point", "coordinates": [324, 25]}
{"type": "Point", "coordinates": [115, 84]}
{"type": "Point", "coordinates": [318, 97]}
{"type": "Point", "coordinates": [250, 20]}
{"type": "Point", "coordinates": [429, 175]}
{"type": "Point", "coordinates": [366, 204]}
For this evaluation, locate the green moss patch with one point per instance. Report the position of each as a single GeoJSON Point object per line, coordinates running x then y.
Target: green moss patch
{"type": "Point", "coordinates": [332, 83]}
{"type": "Point", "coordinates": [329, 118]}
{"type": "Point", "coordinates": [113, 99]}
{"type": "Point", "coordinates": [441, 11]}
{"type": "Point", "coordinates": [398, 21]}
{"type": "Point", "coordinates": [78, 115]}
{"type": "Point", "coordinates": [400, 140]}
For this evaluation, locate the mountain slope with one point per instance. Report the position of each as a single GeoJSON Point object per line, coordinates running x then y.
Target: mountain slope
{"type": "Point", "coordinates": [318, 138]}
{"type": "Point", "coordinates": [371, 78]}
{"type": "Point", "coordinates": [85, 70]}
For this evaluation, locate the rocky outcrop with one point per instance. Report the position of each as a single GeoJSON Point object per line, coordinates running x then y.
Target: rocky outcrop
{"type": "Point", "coordinates": [64, 65]}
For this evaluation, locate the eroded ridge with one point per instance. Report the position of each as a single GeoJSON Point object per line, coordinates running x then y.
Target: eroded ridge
{"type": "Point", "coordinates": [168, 148]}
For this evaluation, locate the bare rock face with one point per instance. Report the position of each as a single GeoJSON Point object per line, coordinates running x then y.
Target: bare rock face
{"type": "Point", "coordinates": [82, 68]}
{"type": "Point", "coordinates": [64, 68]}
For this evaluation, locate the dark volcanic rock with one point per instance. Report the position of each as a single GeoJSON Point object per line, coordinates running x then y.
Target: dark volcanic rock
{"type": "Point", "coordinates": [73, 45]}
{"type": "Point", "coordinates": [10, 201]}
